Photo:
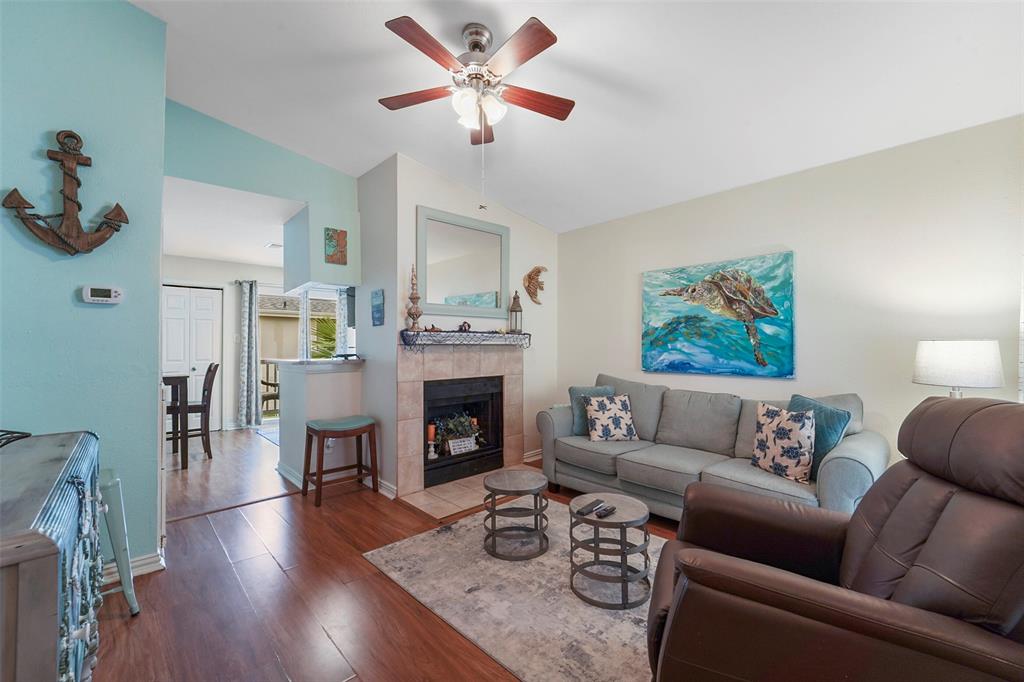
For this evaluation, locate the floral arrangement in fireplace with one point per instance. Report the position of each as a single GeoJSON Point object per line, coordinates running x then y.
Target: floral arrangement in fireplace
{"type": "Point", "coordinates": [458, 434]}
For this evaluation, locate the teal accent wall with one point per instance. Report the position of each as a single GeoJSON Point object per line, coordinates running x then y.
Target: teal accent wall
{"type": "Point", "coordinates": [96, 68]}
{"type": "Point", "coordinates": [204, 149]}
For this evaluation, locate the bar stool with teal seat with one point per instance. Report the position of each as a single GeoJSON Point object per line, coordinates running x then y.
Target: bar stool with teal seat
{"type": "Point", "coordinates": [346, 427]}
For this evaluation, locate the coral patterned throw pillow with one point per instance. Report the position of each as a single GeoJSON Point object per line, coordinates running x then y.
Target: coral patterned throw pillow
{"type": "Point", "coordinates": [609, 417]}
{"type": "Point", "coordinates": [784, 442]}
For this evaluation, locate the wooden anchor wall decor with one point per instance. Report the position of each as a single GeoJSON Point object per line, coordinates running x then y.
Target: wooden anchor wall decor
{"type": "Point", "coordinates": [66, 233]}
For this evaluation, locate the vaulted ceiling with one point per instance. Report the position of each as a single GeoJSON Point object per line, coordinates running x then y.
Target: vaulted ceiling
{"type": "Point", "coordinates": [674, 100]}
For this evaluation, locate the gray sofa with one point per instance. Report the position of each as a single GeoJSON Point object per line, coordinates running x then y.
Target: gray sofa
{"type": "Point", "coordinates": [686, 436]}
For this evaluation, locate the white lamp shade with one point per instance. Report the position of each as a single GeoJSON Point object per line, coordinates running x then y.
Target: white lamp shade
{"type": "Point", "coordinates": [966, 363]}
{"type": "Point", "coordinates": [493, 107]}
{"type": "Point", "coordinates": [464, 101]}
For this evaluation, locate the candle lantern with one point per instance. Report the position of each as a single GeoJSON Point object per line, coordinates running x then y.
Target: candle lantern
{"type": "Point", "coordinates": [515, 316]}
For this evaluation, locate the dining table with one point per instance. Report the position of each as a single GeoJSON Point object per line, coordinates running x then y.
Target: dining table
{"type": "Point", "coordinates": [179, 398]}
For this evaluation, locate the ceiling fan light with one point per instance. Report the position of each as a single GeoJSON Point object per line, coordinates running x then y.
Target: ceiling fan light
{"type": "Point", "coordinates": [464, 102]}
{"type": "Point", "coordinates": [494, 108]}
{"type": "Point", "coordinates": [471, 122]}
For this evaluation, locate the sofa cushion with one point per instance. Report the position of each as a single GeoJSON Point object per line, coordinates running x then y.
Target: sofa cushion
{"type": "Point", "coordinates": [597, 456]}
{"type": "Point", "coordinates": [830, 424]}
{"type": "Point", "coordinates": [609, 418]}
{"type": "Point", "coordinates": [645, 399]}
{"type": "Point", "coordinates": [784, 445]}
{"type": "Point", "coordinates": [738, 473]}
{"type": "Point", "coordinates": [579, 410]}
{"type": "Point", "coordinates": [665, 467]}
{"type": "Point", "coordinates": [703, 421]}
{"type": "Point", "coordinates": [850, 402]}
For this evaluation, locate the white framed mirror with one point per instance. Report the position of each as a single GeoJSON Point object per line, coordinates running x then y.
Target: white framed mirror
{"type": "Point", "coordinates": [462, 265]}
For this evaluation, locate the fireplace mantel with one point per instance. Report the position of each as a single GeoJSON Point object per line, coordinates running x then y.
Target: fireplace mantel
{"type": "Point", "coordinates": [416, 341]}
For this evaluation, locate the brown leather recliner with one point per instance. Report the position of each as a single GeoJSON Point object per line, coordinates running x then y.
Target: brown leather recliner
{"type": "Point", "coordinates": [924, 582]}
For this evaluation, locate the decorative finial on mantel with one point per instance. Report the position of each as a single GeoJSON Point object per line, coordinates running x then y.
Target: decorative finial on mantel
{"type": "Point", "coordinates": [413, 311]}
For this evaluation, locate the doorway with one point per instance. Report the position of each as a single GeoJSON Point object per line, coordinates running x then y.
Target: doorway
{"type": "Point", "coordinates": [214, 239]}
{"type": "Point", "coordinates": [192, 340]}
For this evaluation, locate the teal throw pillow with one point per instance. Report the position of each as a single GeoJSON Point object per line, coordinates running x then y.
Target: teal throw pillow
{"type": "Point", "coordinates": [830, 425]}
{"type": "Point", "coordinates": [579, 410]}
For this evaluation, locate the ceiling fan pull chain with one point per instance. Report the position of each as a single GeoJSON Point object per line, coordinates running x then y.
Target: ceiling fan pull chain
{"type": "Point", "coordinates": [483, 195]}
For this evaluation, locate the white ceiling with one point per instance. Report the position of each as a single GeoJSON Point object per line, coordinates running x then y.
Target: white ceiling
{"type": "Point", "coordinates": [673, 100]}
{"type": "Point", "coordinates": [206, 221]}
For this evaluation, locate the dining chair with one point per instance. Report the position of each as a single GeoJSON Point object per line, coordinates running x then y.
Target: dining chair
{"type": "Point", "coordinates": [202, 408]}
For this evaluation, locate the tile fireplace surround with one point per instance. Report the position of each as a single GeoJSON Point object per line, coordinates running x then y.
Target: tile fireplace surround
{"type": "Point", "coordinates": [453, 362]}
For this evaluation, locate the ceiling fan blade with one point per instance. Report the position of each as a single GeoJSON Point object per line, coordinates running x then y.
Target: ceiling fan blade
{"type": "Point", "coordinates": [414, 34]}
{"type": "Point", "coordinates": [485, 134]}
{"type": "Point", "coordinates": [530, 40]}
{"type": "Point", "coordinates": [418, 97]}
{"type": "Point", "coordinates": [542, 103]}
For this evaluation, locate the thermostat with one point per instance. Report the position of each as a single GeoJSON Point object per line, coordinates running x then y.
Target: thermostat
{"type": "Point", "coordinates": [102, 295]}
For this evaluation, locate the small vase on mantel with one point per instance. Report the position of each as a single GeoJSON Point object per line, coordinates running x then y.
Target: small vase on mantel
{"type": "Point", "coordinates": [413, 311]}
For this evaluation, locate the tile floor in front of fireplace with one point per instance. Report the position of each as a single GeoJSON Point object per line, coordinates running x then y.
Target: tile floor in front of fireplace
{"type": "Point", "coordinates": [453, 497]}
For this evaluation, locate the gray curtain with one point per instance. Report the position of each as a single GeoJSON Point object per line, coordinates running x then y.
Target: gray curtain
{"type": "Point", "coordinates": [341, 327]}
{"type": "Point", "coordinates": [249, 407]}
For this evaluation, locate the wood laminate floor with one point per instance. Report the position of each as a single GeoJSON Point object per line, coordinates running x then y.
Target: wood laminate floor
{"type": "Point", "coordinates": [278, 590]}
{"type": "Point", "coordinates": [242, 471]}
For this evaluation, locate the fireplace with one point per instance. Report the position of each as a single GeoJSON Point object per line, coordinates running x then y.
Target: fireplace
{"type": "Point", "coordinates": [477, 398]}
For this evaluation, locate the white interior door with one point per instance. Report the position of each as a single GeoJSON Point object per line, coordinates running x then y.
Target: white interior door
{"type": "Point", "coordinates": [174, 311]}
{"type": "Point", "coordinates": [192, 328]}
{"type": "Point", "coordinates": [205, 347]}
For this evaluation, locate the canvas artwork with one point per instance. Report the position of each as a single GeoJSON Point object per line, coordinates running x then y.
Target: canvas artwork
{"type": "Point", "coordinates": [377, 307]}
{"type": "Point", "coordinates": [335, 246]}
{"type": "Point", "coordinates": [734, 317]}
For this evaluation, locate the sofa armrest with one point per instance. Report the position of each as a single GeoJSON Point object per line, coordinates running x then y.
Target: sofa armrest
{"type": "Point", "coordinates": [902, 626]}
{"type": "Point", "coordinates": [793, 537]}
{"type": "Point", "coordinates": [553, 423]}
{"type": "Point", "coordinates": [850, 469]}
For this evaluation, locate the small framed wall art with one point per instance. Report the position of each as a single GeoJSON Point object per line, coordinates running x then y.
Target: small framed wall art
{"type": "Point", "coordinates": [335, 246]}
{"type": "Point", "coordinates": [377, 307]}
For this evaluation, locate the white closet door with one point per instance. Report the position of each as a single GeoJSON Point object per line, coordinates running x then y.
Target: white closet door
{"type": "Point", "coordinates": [192, 328]}
{"type": "Point", "coordinates": [205, 347]}
{"type": "Point", "coordinates": [175, 305]}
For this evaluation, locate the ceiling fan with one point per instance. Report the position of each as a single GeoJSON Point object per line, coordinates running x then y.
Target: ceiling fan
{"type": "Point", "coordinates": [479, 95]}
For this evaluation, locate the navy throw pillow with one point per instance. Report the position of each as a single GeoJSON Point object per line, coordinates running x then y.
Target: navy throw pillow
{"type": "Point", "coordinates": [579, 410]}
{"type": "Point", "coordinates": [830, 425]}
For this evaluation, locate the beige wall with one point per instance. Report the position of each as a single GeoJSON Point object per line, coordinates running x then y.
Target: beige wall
{"type": "Point", "coordinates": [222, 274]}
{"type": "Point", "coordinates": [919, 241]}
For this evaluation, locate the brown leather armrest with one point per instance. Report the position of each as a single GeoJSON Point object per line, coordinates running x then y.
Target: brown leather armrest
{"type": "Point", "coordinates": [905, 626]}
{"type": "Point", "coordinates": [786, 535]}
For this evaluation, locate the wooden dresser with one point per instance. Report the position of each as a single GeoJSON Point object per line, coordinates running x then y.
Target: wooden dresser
{"type": "Point", "coordinates": [50, 565]}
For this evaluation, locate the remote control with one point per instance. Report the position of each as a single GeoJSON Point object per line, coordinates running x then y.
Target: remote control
{"type": "Point", "coordinates": [604, 511]}
{"type": "Point", "coordinates": [589, 508]}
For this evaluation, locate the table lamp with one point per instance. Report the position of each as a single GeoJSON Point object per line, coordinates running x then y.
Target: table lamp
{"type": "Point", "coordinates": [961, 363]}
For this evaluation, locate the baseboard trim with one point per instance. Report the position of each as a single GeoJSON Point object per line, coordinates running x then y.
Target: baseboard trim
{"type": "Point", "coordinates": [293, 476]}
{"type": "Point", "coordinates": [386, 489]}
{"type": "Point", "coordinates": [141, 565]}
{"type": "Point", "coordinates": [532, 455]}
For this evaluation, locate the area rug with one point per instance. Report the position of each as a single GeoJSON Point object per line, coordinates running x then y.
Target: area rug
{"type": "Point", "coordinates": [522, 613]}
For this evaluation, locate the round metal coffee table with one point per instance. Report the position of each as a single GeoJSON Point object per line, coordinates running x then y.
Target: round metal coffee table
{"type": "Point", "coordinates": [528, 537]}
{"type": "Point", "coordinates": [617, 582]}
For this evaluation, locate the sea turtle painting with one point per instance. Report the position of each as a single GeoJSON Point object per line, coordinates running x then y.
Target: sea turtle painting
{"type": "Point", "coordinates": [734, 294]}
